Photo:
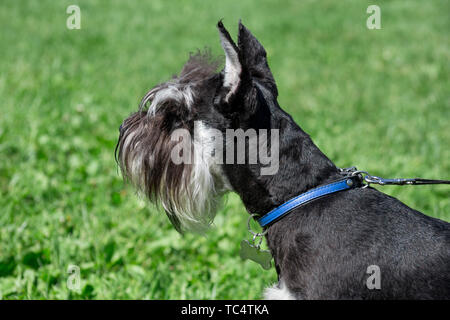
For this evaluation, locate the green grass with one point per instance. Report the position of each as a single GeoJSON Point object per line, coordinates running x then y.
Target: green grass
{"type": "Point", "coordinates": [375, 99]}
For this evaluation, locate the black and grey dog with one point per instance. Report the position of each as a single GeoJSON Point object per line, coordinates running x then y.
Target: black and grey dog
{"type": "Point", "coordinates": [321, 250]}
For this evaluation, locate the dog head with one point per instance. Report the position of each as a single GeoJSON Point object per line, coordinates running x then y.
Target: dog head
{"type": "Point", "coordinates": [198, 99]}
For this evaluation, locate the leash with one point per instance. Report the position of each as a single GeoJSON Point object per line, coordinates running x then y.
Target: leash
{"type": "Point", "coordinates": [352, 178]}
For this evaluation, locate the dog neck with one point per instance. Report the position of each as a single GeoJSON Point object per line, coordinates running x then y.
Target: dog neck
{"type": "Point", "coordinates": [302, 166]}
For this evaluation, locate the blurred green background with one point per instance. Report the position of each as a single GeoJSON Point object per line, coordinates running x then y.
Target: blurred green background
{"type": "Point", "coordinates": [377, 99]}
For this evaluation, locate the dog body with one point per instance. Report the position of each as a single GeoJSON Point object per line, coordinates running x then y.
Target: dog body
{"type": "Point", "coordinates": [322, 250]}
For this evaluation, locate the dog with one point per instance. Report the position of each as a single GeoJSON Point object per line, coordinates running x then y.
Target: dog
{"type": "Point", "coordinates": [321, 250]}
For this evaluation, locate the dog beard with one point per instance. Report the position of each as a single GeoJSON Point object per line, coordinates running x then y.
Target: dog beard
{"type": "Point", "coordinates": [189, 192]}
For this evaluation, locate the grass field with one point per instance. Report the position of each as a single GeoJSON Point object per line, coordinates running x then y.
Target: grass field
{"type": "Point", "coordinates": [376, 99]}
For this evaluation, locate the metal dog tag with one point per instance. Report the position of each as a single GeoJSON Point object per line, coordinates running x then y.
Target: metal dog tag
{"type": "Point", "coordinates": [251, 252]}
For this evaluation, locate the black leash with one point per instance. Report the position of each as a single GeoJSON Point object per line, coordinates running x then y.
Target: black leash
{"type": "Point", "coordinates": [351, 178]}
{"type": "Point", "coordinates": [369, 179]}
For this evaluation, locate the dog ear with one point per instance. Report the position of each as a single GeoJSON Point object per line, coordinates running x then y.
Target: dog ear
{"type": "Point", "coordinates": [254, 58]}
{"type": "Point", "coordinates": [233, 68]}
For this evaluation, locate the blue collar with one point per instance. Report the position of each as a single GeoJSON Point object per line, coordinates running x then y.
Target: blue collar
{"type": "Point", "coordinates": [343, 184]}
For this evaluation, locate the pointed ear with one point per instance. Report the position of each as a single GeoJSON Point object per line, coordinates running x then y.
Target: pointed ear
{"type": "Point", "coordinates": [254, 57]}
{"type": "Point", "coordinates": [233, 68]}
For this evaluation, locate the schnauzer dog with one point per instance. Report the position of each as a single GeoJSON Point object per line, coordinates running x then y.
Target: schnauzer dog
{"type": "Point", "coordinates": [321, 250]}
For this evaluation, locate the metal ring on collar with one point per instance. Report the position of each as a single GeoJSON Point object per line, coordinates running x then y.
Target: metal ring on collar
{"type": "Point", "coordinates": [255, 234]}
